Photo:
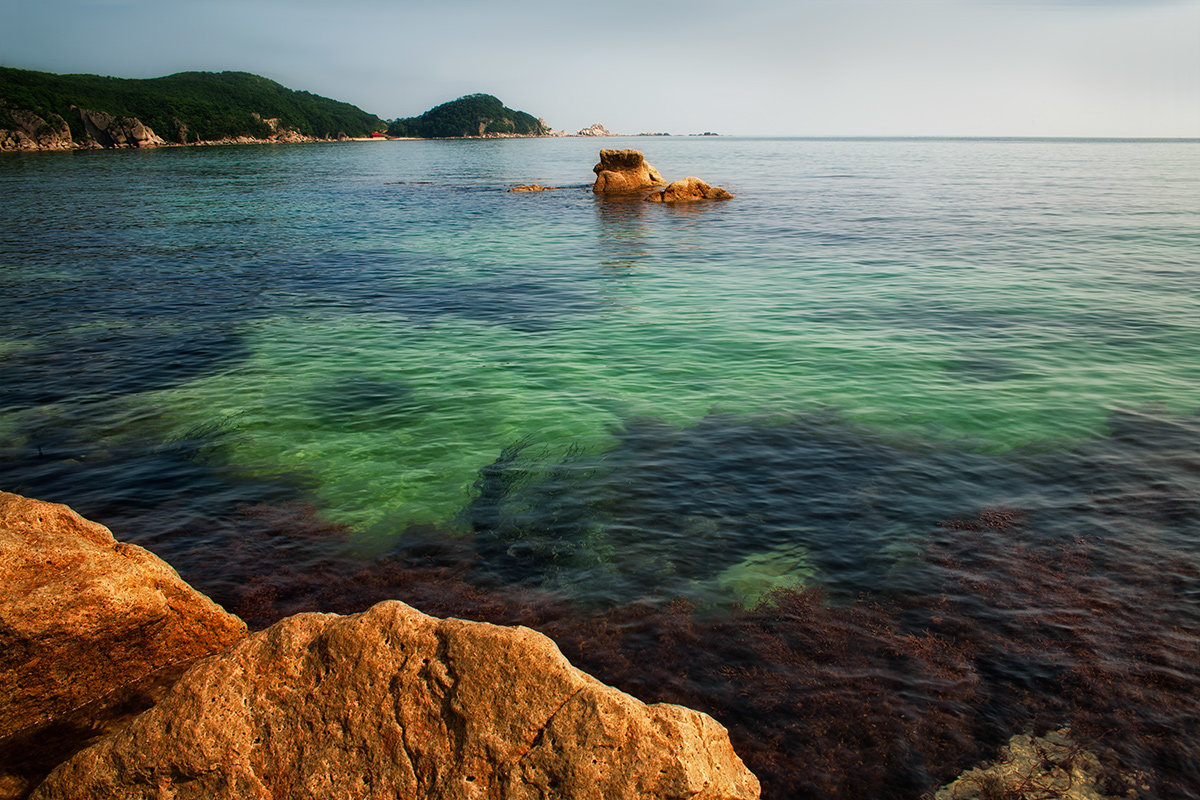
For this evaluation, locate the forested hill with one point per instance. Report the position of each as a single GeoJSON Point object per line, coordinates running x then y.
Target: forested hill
{"type": "Point", "coordinates": [473, 115]}
{"type": "Point", "coordinates": [185, 107]}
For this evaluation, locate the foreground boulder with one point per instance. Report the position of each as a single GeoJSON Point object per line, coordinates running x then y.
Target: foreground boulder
{"type": "Point", "coordinates": [90, 631]}
{"type": "Point", "coordinates": [393, 703]}
{"type": "Point", "coordinates": [688, 190]}
{"type": "Point", "coordinates": [624, 172]}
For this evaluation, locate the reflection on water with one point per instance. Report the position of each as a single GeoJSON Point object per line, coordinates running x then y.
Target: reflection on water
{"type": "Point", "coordinates": [623, 233]}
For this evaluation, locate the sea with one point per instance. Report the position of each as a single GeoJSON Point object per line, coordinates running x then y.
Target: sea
{"type": "Point", "coordinates": [891, 457]}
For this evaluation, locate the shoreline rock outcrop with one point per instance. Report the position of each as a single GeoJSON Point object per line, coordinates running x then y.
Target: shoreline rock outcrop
{"type": "Point", "coordinates": [595, 129]}
{"type": "Point", "coordinates": [31, 132]}
{"type": "Point", "coordinates": [394, 703]}
{"type": "Point", "coordinates": [91, 630]}
{"type": "Point", "coordinates": [624, 172]}
{"type": "Point", "coordinates": [688, 190]}
{"type": "Point", "coordinates": [121, 680]}
{"type": "Point", "coordinates": [111, 132]}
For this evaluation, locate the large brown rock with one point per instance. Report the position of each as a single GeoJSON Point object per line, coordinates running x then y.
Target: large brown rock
{"type": "Point", "coordinates": [391, 703]}
{"type": "Point", "coordinates": [688, 190]}
{"type": "Point", "coordinates": [90, 630]}
{"type": "Point", "coordinates": [624, 172]}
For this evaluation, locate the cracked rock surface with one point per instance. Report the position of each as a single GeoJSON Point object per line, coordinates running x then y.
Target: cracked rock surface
{"type": "Point", "coordinates": [394, 703]}
{"type": "Point", "coordinates": [91, 632]}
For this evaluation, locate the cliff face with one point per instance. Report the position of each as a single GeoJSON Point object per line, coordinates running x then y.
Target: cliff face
{"type": "Point", "coordinates": [21, 129]}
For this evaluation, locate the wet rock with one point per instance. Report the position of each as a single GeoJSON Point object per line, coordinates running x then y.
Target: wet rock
{"type": "Point", "coordinates": [90, 630]}
{"type": "Point", "coordinates": [624, 172]}
{"type": "Point", "coordinates": [688, 190]}
{"type": "Point", "coordinates": [117, 132]}
{"type": "Point", "coordinates": [1035, 768]}
{"type": "Point", "coordinates": [393, 703]}
{"type": "Point", "coordinates": [533, 187]}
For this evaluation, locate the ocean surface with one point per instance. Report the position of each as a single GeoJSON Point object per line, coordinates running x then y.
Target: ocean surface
{"type": "Point", "coordinates": [905, 439]}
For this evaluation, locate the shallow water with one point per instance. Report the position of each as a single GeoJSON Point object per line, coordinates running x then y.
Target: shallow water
{"type": "Point", "coordinates": [292, 363]}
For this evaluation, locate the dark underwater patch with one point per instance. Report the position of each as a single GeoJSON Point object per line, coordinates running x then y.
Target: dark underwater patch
{"type": "Point", "coordinates": [669, 505]}
{"type": "Point", "coordinates": [111, 362]}
{"type": "Point", "coordinates": [360, 402]}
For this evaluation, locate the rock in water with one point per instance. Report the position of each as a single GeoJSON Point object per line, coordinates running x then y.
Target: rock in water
{"type": "Point", "coordinates": [87, 626]}
{"type": "Point", "coordinates": [688, 190]}
{"type": "Point", "coordinates": [624, 172]}
{"type": "Point", "coordinates": [1050, 766]}
{"type": "Point", "coordinates": [393, 703]}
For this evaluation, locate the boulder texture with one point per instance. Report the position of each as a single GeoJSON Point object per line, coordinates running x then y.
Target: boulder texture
{"type": "Point", "coordinates": [393, 703]}
{"type": "Point", "coordinates": [624, 172]}
{"type": "Point", "coordinates": [29, 131]}
{"type": "Point", "coordinates": [90, 630]}
{"type": "Point", "coordinates": [1050, 766]}
{"type": "Point", "coordinates": [109, 131]}
{"type": "Point", "coordinates": [688, 190]}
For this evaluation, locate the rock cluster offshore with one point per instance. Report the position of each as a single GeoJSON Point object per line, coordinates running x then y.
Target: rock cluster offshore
{"type": "Point", "coordinates": [625, 172]}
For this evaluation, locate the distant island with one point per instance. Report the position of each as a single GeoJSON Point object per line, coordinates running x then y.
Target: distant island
{"type": "Point", "coordinates": [470, 116]}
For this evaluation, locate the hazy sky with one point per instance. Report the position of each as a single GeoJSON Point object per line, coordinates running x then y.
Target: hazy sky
{"type": "Point", "coordinates": [787, 67]}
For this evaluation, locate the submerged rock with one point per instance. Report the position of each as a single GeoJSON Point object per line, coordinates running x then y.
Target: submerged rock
{"type": "Point", "coordinates": [90, 630]}
{"type": "Point", "coordinates": [393, 703]}
{"type": "Point", "coordinates": [533, 187]}
{"type": "Point", "coordinates": [688, 190]}
{"type": "Point", "coordinates": [624, 172]}
{"type": "Point", "coordinates": [1041, 767]}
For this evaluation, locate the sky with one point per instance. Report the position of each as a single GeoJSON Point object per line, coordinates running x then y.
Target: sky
{"type": "Point", "coordinates": [742, 67]}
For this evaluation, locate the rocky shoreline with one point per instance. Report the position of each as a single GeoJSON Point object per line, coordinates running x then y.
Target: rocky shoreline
{"type": "Point", "coordinates": [122, 680]}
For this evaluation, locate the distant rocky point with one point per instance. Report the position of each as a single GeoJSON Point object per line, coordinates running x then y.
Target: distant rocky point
{"type": "Point", "coordinates": [595, 129]}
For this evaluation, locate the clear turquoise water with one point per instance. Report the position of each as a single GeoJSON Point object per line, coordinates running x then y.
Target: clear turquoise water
{"type": "Point", "coordinates": [930, 372]}
{"type": "Point", "coordinates": [378, 327]}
